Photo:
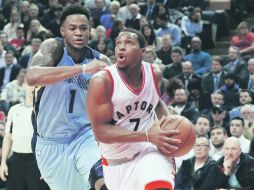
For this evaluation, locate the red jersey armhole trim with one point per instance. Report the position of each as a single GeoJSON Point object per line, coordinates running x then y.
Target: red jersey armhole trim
{"type": "Point", "coordinates": [155, 81]}
{"type": "Point", "coordinates": [112, 82]}
{"type": "Point", "coordinates": [158, 184]}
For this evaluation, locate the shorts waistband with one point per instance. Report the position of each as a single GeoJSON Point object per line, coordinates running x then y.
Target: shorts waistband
{"type": "Point", "coordinates": [23, 155]}
{"type": "Point", "coordinates": [62, 140]}
{"type": "Point", "coordinates": [115, 162]}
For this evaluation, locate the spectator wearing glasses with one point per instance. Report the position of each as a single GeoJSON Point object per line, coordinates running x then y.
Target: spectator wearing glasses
{"type": "Point", "coordinates": [219, 117]}
{"type": "Point", "coordinates": [195, 173]}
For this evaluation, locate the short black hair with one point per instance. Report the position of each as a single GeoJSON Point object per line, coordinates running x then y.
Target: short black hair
{"type": "Point", "coordinates": [72, 10]}
{"type": "Point", "coordinates": [177, 50]}
{"type": "Point", "coordinates": [141, 38]}
{"type": "Point", "coordinates": [238, 118]}
{"type": "Point", "coordinates": [221, 128]}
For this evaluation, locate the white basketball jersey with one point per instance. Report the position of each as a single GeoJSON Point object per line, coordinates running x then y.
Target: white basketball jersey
{"type": "Point", "coordinates": [133, 109]}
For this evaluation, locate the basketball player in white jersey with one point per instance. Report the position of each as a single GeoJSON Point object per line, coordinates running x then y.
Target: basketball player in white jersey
{"type": "Point", "coordinates": [123, 103]}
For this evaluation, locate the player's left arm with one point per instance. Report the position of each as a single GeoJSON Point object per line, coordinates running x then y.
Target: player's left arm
{"type": "Point", "coordinates": [161, 108]}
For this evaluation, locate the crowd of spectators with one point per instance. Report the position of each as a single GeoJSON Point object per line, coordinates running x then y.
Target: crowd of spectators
{"type": "Point", "coordinates": [215, 92]}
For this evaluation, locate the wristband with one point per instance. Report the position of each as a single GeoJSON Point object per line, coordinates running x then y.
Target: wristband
{"type": "Point", "coordinates": [84, 68]}
{"type": "Point", "coordinates": [147, 137]}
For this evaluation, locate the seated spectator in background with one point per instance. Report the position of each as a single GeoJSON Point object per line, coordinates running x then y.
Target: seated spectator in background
{"type": "Point", "coordinates": [247, 113]}
{"type": "Point", "coordinates": [213, 80]}
{"type": "Point", "coordinates": [201, 60]}
{"type": "Point", "coordinates": [26, 59]}
{"type": "Point", "coordinates": [165, 27]}
{"type": "Point", "coordinates": [183, 107]}
{"type": "Point", "coordinates": [168, 95]}
{"type": "Point", "coordinates": [188, 74]}
{"type": "Point", "coordinates": [10, 71]}
{"type": "Point", "coordinates": [14, 92]}
{"type": "Point", "coordinates": [217, 98]}
{"type": "Point", "coordinates": [162, 10]}
{"type": "Point", "coordinates": [107, 20]}
{"type": "Point", "coordinates": [150, 10]}
{"type": "Point", "coordinates": [54, 22]}
{"type": "Point", "coordinates": [164, 54]}
{"type": "Point", "coordinates": [5, 42]}
{"type": "Point", "coordinates": [151, 57]}
{"type": "Point", "coordinates": [124, 11]}
{"type": "Point", "coordinates": [235, 63]}
{"type": "Point", "coordinates": [196, 96]}
{"type": "Point", "coordinates": [134, 21]}
{"type": "Point", "coordinates": [247, 82]}
{"type": "Point", "coordinates": [231, 91]}
{"type": "Point", "coordinates": [218, 137]}
{"type": "Point", "coordinates": [202, 126]}
{"type": "Point", "coordinates": [102, 47]}
{"type": "Point", "coordinates": [149, 34]}
{"type": "Point", "coordinates": [98, 11]}
{"type": "Point", "coordinates": [251, 152]}
{"type": "Point", "coordinates": [20, 40]}
{"type": "Point", "coordinates": [11, 27]}
{"type": "Point", "coordinates": [195, 173]}
{"type": "Point", "coordinates": [116, 28]}
{"type": "Point", "coordinates": [236, 130]}
{"type": "Point", "coordinates": [245, 97]}
{"type": "Point", "coordinates": [244, 39]}
{"type": "Point", "coordinates": [219, 118]}
{"type": "Point", "coordinates": [191, 26]}
{"type": "Point", "coordinates": [234, 170]}
{"type": "Point", "coordinates": [35, 30]}
{"type": "Point", "coordinates": [174, 69]}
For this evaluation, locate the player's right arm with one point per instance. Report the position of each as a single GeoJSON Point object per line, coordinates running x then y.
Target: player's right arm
{"type": "Point", "coordinates": [43, 70]}
{"type": "Point", "coordinates": [100, 111]}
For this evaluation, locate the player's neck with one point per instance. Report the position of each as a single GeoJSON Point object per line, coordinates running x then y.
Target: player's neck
{"type": "Point", "coordinates": [76, 55]}
{"type": "Point", "coordinates": [132, 77]}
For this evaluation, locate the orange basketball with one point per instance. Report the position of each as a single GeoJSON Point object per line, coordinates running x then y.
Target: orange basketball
{"type": "Point", "coordinates": [187, 133]}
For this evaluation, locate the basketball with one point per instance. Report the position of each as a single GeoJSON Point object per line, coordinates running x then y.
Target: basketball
{"type": "Point", "coordinates": [187, 133]}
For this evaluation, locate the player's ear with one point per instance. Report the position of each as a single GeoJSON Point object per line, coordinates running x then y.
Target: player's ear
{"type": "Point", "coordinates": [62, 31]}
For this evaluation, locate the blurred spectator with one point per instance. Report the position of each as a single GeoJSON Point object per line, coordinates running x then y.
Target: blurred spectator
{"type": "Point", "coordinates": [151, 57]}
{"type": "Point", "coordinates": [33, 14]}
{"type": "Point", "coordinates": [14, 92]}
{"type": "Point", "coordinates": [244, 39]}
{"type": "Point", "coordinates": [202, 125]}
{"type": "Point", "coordinates": [20, 170]}
{"type": "Point", "coordinates": [107, 20]}
{"type": "Point", "coordinates": [167, 28]}
{"type": "Point", "coordinates": [231, 91]}
{"type": "Point", "coordinates": [191, 26]}
{"type": "Point", "coordinates": [218, 117]}
{"type": "Point", "coordinates": [102, 47]}
{"type": "Point", "coordinates": [149, 34]}
{"type": "Point", "coordinates": [11, 27]}
{"type": "Point", "coordinates": [195, 173]}
{"type": "Point", "coordinates": [24, 11]}
{"type": "Point", "coordinates": [188, 74]}
{"type": "Point", "coordinates": [247, 113]}
{"type": "Point", "coordinates": [201, 60]}
{"type": "Point", "coordinates": [175, 68]}
{"type": "Point", "coordinates": [162, 9]}
{"type": "Point", "coordinates": [10, 71]}
{"type": "Point", "coordinates": [116, 28]}
{"type": "Point", "coordinates": [217, 98]}
{"type": "Point", "coordinates": [251, 153]}
{"type": "Point", "coordinates": [245, 97]}
{"type": "Point", "coordinates": [235, 63]}
{"type": "Point", "coordinates": [164, 54]}
{"type": "Point", "coordinates": [234, 170]}
{"type": "Point", "coordinates": [54, 22]}
{"type": "Point", "coordinates": [2, 53]}
{"type": "Point", "coordinates": [124, 11]}
{"type": "Point", "coordinates": [170, 86]}
{"type": "Point", "coordinates": [20, 40]}
{"type": "Point", "coordinates": [247, 82]}
{"type": "Point", "coordinates": [35, 30]}
{"type": "Point", "coordinates": [3, 20]}
{"type": "Point", "coordinates": [134, 21]}
{"type": "Point", "coordinates": [183, 107]}
{"type": "Point", "coordinates": [5, 42]}
{"type": "Point", "coordinates": [150, 10]}
{"type": "Point", "coordinates": [236, 130]}
{"type": "Point", "coordinates": [218, 137]}
{"type": "Point", "coordinates": [98, 11]}
{"type": "Point", "coordinates": [196, 96]}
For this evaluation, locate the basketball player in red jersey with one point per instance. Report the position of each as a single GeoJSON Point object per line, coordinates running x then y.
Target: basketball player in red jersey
{"type": "Point", "coordinates": [123, 103]}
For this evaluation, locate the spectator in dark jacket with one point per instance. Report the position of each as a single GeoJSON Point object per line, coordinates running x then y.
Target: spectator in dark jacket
{"type": "Point", "coordinates": [235, 170]}
{"type": "Point", "coordinates": [195, 173]}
